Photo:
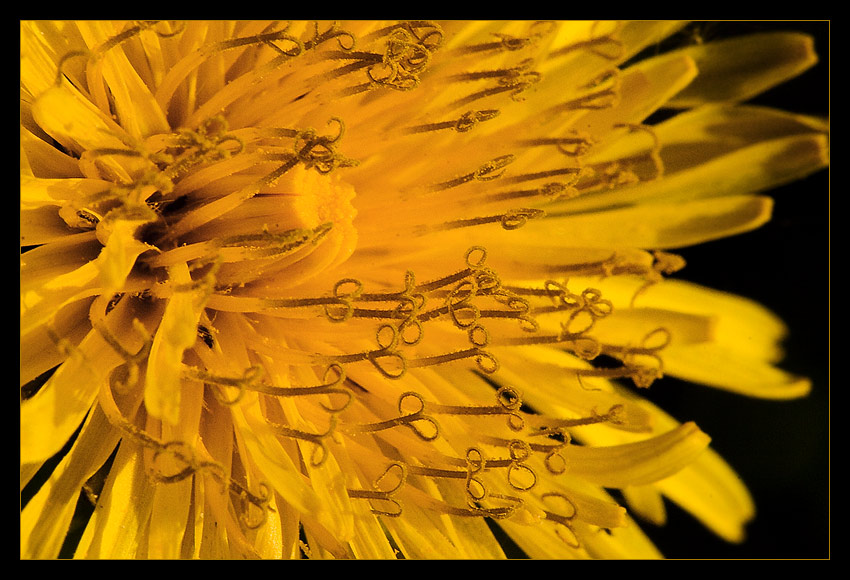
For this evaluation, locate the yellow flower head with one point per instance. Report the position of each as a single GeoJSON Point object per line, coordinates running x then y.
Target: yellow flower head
{"type": "Point", "coordinates": [385, 289]}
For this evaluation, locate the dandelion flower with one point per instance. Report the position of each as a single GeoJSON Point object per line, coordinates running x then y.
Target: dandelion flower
{"type": "Point", "coordinates": [381, 290]}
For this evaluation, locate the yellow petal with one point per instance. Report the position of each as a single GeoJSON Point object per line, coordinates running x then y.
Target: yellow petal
{"type": "Point", "coordinates": [714, 494]}
{"type": "Point", "coordinates": [116, 528]}
{"type": "Point", "coordinates": [73, 121]}
{"type": "Point", "coordinates": [119, 255]}
{"type": "Point", "coordinates": [639, 462]}
{"type": "Point", "coordinates": [746, 376]}
{"type": "Point", "coordinates": [707, 488]}
{"type": "Point", "coordinates": [51, 416]}
{"type": "Point", "coordinates": [735, 321]}
{"type": "Point", "coordinates": [740, 68]}
{"type": "Point", "coordinates": [39, 159]}
{"type": "Point", "coordinates": [46, 518]}
{"type": "Point", "coordinates": [650, 225]}
{"type": "Point", "coordinates": [717, 151]}
{"type": "Point", "coordinates": [273, 461]}
{"type": "Point", "coordinates": [38, 352]}
{"type": "Point", "coordinates": [135, 106]}
{"type": "Point", "coordinates": [177, 332]}
{"type": "Point", "coordinates": [647, 502]}
{"type": "Point", "coordinates": [628, 542]}
{"type": "Point", "coordinates": [750, 169]}
{"type": "Point", "coordinates": [172, 503]}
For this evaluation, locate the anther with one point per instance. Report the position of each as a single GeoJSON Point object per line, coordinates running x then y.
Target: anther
{"type": "Point", "coordinates": [600, 97]}
{"type": "Point", "coordinates": [463, 124]}
{"type": "Point", "coordinates": [573, 146]}
{"type": "Point", "coordinates": [407, 55]}
{"type": "Point", "coordinates": [333, 379]}
{"type": "Point", "coordinates": [606, 46]}
{"type": "Point", "coordinates": [249, 378]}
{"type": "Point", "coordinates": [396, 470]}
{"type": "Point", "coordinates": [248, 499]}
{"type": "Point", "coordinates": [508, 403]}
{"type": "Point", "coordinates": [654, 152]}
{"type": "Point", "coordinates": [489, 171]}
{"type": "Point", "coordinates": [320, 450]}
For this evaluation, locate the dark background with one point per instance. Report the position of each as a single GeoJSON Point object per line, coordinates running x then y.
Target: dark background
{"type": "Point", "coordinates": [780, 449]}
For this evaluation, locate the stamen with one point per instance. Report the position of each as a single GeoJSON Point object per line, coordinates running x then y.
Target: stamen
{"type": "Point", "coordinates": [320, 450]}
{"type": "Point", "coordinates": [386, 495]}
{"type": "Point", "coordinates": [130, 369]}
{"type": "Point", "coordinates": [246, 382]}
{"type": "Point", "coordinates": [63, 60]}
{"type": "Point", "coordinates": [248, 499]}
{"type": "Point", "coordinates": [334, 377]}
{"type": "Point", "coordinates": [606, 46]}
{"type": "Point", "coordinates": [574, 146]}
{"type": "Point", "coordinates": [601, 98]}
{"type": "Point", "coordinates": [345, 40]}
{"type": "Point", "coordinates": [487, 172]}
{"type": "Point", "coordinates": [409, 419]}
{"type": "Point", "coordinates": [655, 152]}
{"type": "Point", "coordinates": [519, 476]}
{"type": "Point", "coordinates": [509, 403]}
{"type": "Point", "coordinates": [407, 55]}
{"type": "Point", "coordinates": [511, 220]}
{"type": "Point", "coordinates": [465, 123]}
{"type": "Point", "coordinates": [514, 80]}
{"type": "Point", "coordinates": [573, 172]}
{"type": "Point", "coordinates": [509, 43]}
{"type": "Point", "coordinates": [565, 530]}
{"type": "Point", "coordinates": [179, 451]}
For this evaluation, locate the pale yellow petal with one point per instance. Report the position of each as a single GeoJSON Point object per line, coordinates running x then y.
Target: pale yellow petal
{"type": "Point", "coordinates": [738, 322]}
{"type": "Point", "coordinates": [172, 503]}
{"type": "Point", "coordinates": [740, 68]}
{"type": "Point", "coordinates": [746, 376]}
{"type": "Point", "coordinates": [713, 154]}
{"type": "Point", "coordinates": [42, 159]}
{"type": "Point", "coordinates": [273, 461]}
{"type": "Point", "coordinates": [640, 462]}
{"type": "Point", "coordinates": [629, 542]}
{"type": "Point", "coordinates": [707, 488]}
